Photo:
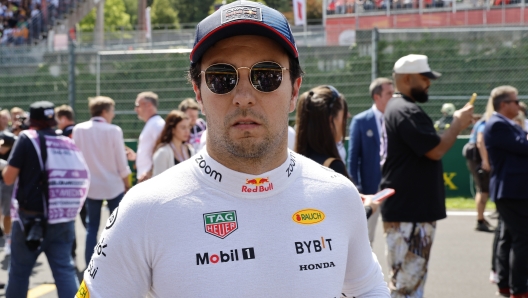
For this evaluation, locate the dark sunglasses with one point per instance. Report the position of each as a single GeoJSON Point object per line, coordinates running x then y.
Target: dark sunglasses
{"type": "Point", "coordinates": [265, 76]}
{"type": "Point", "coordinates": [515, 101]}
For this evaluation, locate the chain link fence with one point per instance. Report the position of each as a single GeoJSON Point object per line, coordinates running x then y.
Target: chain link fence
{"type": "Point", "coordinates": [471, 60]}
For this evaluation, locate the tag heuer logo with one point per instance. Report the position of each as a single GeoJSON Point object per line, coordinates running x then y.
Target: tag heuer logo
{"type": "Point", "coordinates": [220, 224]}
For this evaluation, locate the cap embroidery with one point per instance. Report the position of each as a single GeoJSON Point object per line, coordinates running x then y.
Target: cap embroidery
{"type": "Point", "coordinates": [241, 13]}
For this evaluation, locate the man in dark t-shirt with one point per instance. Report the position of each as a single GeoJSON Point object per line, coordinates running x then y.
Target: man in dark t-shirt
{"type": "Point", "coordinates": [414, 169]}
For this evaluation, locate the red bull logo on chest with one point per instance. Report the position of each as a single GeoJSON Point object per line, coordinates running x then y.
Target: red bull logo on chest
{"type": "Point", "coordinates": [257, 185]}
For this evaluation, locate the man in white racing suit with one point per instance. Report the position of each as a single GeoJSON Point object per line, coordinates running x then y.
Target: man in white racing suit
{"type": "Point", "coordinates": [245, 217]}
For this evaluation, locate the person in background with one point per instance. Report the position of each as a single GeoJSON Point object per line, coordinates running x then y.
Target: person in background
{"type": "Point", "coordinates": [368, 144]}
{"type": "Point", "coordinates": [70, 184]}
{"type": "Point", "coordinates": [321, 118]}
{"type": "Point", "coordinates": [6, 191]}
{"type": "Point", "coordinates": [146, 107]}
{"type": "Point", "coordinates": [103, 147]}
{"type": "Point", "coordinates": [172, 147]}
{"type": "Point", "coordinates": [413, 168]}
{"type": "Point", "coordinates": [5, 120]}
{"type": "Point", "coordinates": [507, 147]}
{"type": "Point", "coordinates": [197, 125]}
{"type": "Point", "coordinates": [320, 122]}
{"type": "Point", "coordinates": [523, 108]}
{"type": "Point", "coordinates": [65, 120]}
{"type": "Point", "coordinates": [448, 109]}
{"type": "Point", "coordinates": [16, 120]}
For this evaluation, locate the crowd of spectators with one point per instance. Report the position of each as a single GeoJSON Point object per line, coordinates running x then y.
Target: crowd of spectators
{"type": "Point", "coordinates": [349, 6]}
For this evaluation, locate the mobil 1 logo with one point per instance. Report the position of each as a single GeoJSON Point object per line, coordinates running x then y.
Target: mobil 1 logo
{"type": "Point", "coordinates": [232, 255]}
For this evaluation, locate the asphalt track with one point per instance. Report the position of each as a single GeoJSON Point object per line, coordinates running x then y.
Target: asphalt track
{"type": "Point", "coordinates": [459, 265]}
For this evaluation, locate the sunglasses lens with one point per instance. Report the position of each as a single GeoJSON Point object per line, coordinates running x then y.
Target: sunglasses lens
{"type": "Point", "coordinates": [266, 76]}
{"type": "Point", "coordinates": [221, 78]}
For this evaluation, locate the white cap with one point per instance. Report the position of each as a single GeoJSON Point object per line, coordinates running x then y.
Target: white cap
{"type": "Point", "coordinates": [415, 64]}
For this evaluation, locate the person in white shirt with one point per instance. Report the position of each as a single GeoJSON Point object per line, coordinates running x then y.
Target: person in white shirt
{"type": "Point", "coordinates": [245, 217]}
{"type": "Point", "coordinates": [172, 147]}
{"type": "Point", "coordinates": [103, 148]}
{"type": "Point", "coordinates": [146, 107]}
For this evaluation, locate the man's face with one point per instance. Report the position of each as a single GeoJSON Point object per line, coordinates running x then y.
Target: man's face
{"type": "Point", "coordinates": [141, 106]}
{"type": "Point", "coordinates": [193, 116]}
{"type": "Point", "coordinates": [382, 99]}
{"type": "Point", "coordinates": [247, 123]}
{"type": "Point", "coordinates": [510, 107]}
{"type": "Point", "coordinates": [62, 122]}
{"type": "Point", "coordinates": [419, 85]}
{"type": "Point", "coordinates": [4, 121]}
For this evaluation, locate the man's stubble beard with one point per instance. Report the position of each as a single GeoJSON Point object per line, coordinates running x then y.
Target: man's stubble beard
{"type": "Point", "coordinates": [246, 148]}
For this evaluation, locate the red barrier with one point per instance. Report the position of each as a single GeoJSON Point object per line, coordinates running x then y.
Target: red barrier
{"type": "Point", "coordinates": [336, 25]}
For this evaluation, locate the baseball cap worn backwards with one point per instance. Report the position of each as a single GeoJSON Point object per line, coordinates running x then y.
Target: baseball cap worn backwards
{"type": "Point", "coordinates": [243, 18]}
{"type": "Point", "coordinates": [415, 64]}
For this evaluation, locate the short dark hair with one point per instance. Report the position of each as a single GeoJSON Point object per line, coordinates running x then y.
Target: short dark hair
{"type": "Point", "coordinates": [188, 104]}
{"type": "Point", "coordinates": [295, 71]}
{"type": "Point", "coordinates": [64, 111]}
{"type": "Point", "coordinates": [500, 94]}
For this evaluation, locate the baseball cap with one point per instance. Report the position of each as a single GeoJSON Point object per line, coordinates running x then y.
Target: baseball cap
{"type": "Point", "coordinates": [415, 64]}
{"type": "Point", "coordinates": [42, 110]}
{"type": "Point", "coordinates": [243, 18]}
{"type": "Point", "coordinates": [7, 138]}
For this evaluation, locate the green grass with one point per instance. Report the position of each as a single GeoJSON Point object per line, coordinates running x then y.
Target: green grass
{"type": "Point", "coordinates": [460, 203]}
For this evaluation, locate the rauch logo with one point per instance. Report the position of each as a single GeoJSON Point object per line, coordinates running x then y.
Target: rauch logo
{"type": "Point", "coordinates": [220, 224]}
{"type": "Point", "coordinates": [258, 185]}
{"type": "Point", "coordinates": [224, 257]}
{"type": "Point", "coordinates": [308, 216]}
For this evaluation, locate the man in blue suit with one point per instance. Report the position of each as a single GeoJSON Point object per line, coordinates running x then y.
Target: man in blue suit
{"type": "Point", "coordinates": [507, 146]}
{"type": "Point", "coordinates": [368, 144]}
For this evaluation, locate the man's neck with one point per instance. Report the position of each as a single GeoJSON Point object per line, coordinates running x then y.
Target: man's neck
{"type": "Point", "coordinates": [148, 116]}
{"type": "Point", "coordinates": [66, 125]}
{"type": "Point", "coordinates": [254, 166]}
{"type": "Point", "coordinates": [505, 115]}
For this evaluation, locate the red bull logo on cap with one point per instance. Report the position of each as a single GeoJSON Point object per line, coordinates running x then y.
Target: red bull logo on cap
{"type": "Point", "coordinates": [257, 185]}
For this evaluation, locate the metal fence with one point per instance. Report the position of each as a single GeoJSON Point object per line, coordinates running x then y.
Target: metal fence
{"type": "Point", "coordinates": [471, 60]}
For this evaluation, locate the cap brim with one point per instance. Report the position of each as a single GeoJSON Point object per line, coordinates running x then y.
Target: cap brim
{"type": "Point", "coordinates": [431, 74]}
{"type": "Point", "coordinates": [240, 28]}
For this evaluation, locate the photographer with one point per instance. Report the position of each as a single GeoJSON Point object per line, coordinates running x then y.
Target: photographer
{"type": "Point", "coordinates": [48, 198]}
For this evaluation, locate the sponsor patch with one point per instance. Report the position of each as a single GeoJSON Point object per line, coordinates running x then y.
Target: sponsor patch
{"type": "Point", "coordinates": [83, 291]}
{"type": "Point", "coordinates": [291, 166]}
{"type": "Point", "coordinates": [207, 169]}
{"type": "Point", "coordinates": [313, 246]}
{"type": "Point", "coordinates": [241, 13]}
{"type": "Point", "coordinates": [308, 216]}
{"type": "Point", "coordinates": [112, 219]}
{"type": "Point", "coordinates": [232, 255]}
{"type": "Point", "coordinates": [257, 185]}
{"type": "Point", "coordinates": [220, 224]}
{"type": "Point", "coordinates": [323, 265]}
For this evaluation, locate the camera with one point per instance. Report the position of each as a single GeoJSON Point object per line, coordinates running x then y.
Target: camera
{"type": "Point", "coordinates": [23, 122]}
{"type": "Point", "coordinates": [35, 230]}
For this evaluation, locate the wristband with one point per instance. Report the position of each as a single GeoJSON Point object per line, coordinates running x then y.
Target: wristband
{"type": "Point", "coordinates": [3, 164]}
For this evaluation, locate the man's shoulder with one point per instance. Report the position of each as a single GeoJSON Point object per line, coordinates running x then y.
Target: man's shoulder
{"type": "Point", "coordinates": [367, 114]}
{"type": "Point", "coordinates": [162, 188]}
{"type": "Point", "coordinates": [313, 171]}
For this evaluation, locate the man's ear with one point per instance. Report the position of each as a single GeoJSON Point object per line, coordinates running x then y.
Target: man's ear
{"type": "Point", "coordinates": [295, 93]}
{"type": "Point", "coordinates": [198, 94]}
